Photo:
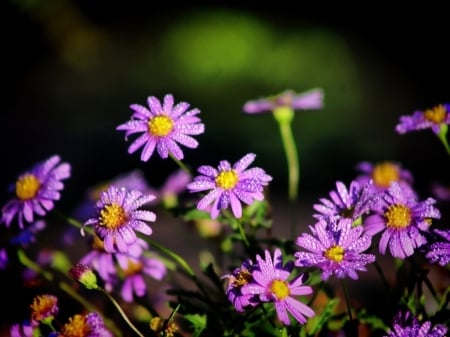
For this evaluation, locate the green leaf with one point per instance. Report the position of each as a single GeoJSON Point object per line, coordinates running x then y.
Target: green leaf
{"type": "Point", "coordinates": [198, 323]}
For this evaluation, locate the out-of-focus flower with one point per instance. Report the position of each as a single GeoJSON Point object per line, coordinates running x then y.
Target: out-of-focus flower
{"type": "Point", "coordinates": [401, 219]}
{"type": "Point", "coordinates": [118, 216]}
{"type": "Point", "coordinates": [406, 325]}
{"type": "Point", "coordinates": [309, 100]}
{"type": "Point", "coordinates": [349, 203]}
{"type": "Point", "coordinates": [434, 119]}
{"type": "Point", "coordinates": [44, 308]}
{"type": "Point", "coordinates": [336, 247]}
{"type": "Point", "coordinates": [36, 191]}
{"type": "Point", "coordinates": [270, 283]}
{"type": "Point", "coordinates": [440, 191]}
{"type": "Point", "coordinates": [230, 185]}
{"type": "Point", "coordinates": [23, 330]}
{"type": "Point", "coordinates": [438, 250]}
{"type": "Point", "coordinates": [90, 325]}
{"type": "Point", "coordinates": [383, 174]}
{"type": "Point", "coordinates": [163, 127]}
{"type": "Point", "coordinates": [235, 281]}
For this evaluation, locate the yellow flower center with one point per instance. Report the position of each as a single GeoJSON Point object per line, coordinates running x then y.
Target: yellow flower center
{"type": "Point", "coordinates": [227, 179]}
{"type": "Point", "coordinates": [436, 114]}
{"type": "Point", "coordinates": [42, 306]}
{"type": "Point", "coordinates": [280, 289]}
{"type": "Point", "coordinates": [134, 267]}
{"type": "Point", "coordinates": [384, 174]}
{"type": "Point", "coordinates": [335, 253]}
{"type": "Point", "coordinates": [76, 327]}
{"type": "Point", "coordinates": [160, 126]}
{"type": "Point", "coordinates": [113, 216]}
{"type": "Point", "coordinates": [243, 277]}
{"type": "Point", "coordinates": [398, 216]}
{"type": "Point", "coordinates": [27, 187]}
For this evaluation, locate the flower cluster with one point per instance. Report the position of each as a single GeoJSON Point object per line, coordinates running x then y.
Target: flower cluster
{"type": "Point", "coordinates": [252, 284]}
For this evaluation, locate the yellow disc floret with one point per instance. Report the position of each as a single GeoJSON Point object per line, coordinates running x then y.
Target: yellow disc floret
{"type": "Point", "coordinates": [243, 277]}
{"type": "Point", "coordinates": [160, 126]}
{"type": "Point", "coordinates": [76, 327]}
{"type": "Point", "coordinates": [384, 174]}
{"type": "Point", "coordinates": [134, 267]}
{"type": "Point", "coordinates": [113, 216]}
{"type": "Point", "coordinates": [27, 186]}
{"type": "Point", "coordinates": [227, 179]}
{"type": "Point", "coordinates": [42, 307]}
{"type": "Point", "coordinates": [398, 216]}
{"type": "Point", "coordinates": [335, 253]}
{"type": "Point", "coordinates": [436, 114]}
{"type": "Point", "coordinates": [280, 289]}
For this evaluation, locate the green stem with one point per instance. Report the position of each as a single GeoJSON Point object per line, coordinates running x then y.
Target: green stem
{"type": "Point", "coordinates": [242, 232]}
{"type": "Point", "coordinates": [180, 164]}
{"type": "Point", "coordinates": [122, 313]}
{"type": "Point", "coordinates": [347, 301]}
{"type": "Point", "coordinates": [442, 135]}
{"type": "Point", "coordinates": [284, 117]}
{"type": "Point", "coordinates": [174, 256]}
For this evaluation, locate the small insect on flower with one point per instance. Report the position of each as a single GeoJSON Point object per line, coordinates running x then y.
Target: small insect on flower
{"type": "Point", "coordinates": [163, 127]}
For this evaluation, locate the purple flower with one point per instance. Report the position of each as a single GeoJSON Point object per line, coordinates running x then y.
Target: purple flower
{"type": "Point", "coordinates": [406, 325]}
{"type": "Point", "coordinates": [163, 127]}
{"type": "Point", "coordinates": [236, 280]}
{"type": "Point", "coordinates": [434, 119]}
{"type": "Point", "coordinates": [230, 185]}
{"type": "Point", "coordinates": [270, 283]}
{"type": "Point", "coordinates": [92, 325]}
{"type": "Point", "coordinates": [401, 219]}
{"type": "Point", "coordinates": [44, 308]}
{"type": "Point", "coordinates": [36, 191]}
{"type": "Point", "coordinates": [23, 330]}
{"type": "Point", "coordinates": [349, 203]}
{"type": "Point", "coordinates": [383, 174]}
{"type": "Point", "coordinates": [439, 250]}
{"type": "Point", "coordinates": [312, 99]}
{"type": "Point", "coordinates": [134, 270]}
{"type": "Point", "coordinates": [440, 191]}
{"type": "Point", "coordinates": [336, 247]}
{"type": "Point", "coordinates": [118, 216]}
{"type": "Point", "coordinates": [4, 259]}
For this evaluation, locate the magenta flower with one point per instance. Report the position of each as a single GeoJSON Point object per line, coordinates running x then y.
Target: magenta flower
{"type": "Point", "coordinates": [312, 99]}
{"type": "Point", "coordinates": [92, 325]}
{"type": "Point", "coordinates": [230, 185]}
{"type": "Point", "coordinates": [434, 119]}
{"type": "Point", "coordinates": [349, 203]}
{"type": "Point", "coordinates": [162, 127]}
{"type": "Point", "coordinates": [236, 280]}
{"type": "Point", "coordinates": [401, 219]}
{"type": "Point", "coordinates": [406, 325]}
{"type": "Point", "coordinates": [118, 216]}
{"type": "Point", "coordinates": [336, 247]}
{"type": "Point", "coordinates": [23, 330]}
{"type": "Point", "coordinates": [270, 283]}
{"type": "Point", "coordinates": [383, 174]}
{"type": "Point", "coordinates": [438, 251]}
{"type": "Point", "coordinates": [36, 191]}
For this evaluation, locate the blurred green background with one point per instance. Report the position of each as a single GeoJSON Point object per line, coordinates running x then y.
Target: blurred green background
{"type": "Point", "coordinates": [72, 68]}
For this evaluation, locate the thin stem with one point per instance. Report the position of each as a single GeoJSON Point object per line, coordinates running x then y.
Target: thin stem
{"type": "Point", "coordinates": [347, 301]}
{"type": "Point", "coordinates": [442, 135]}
{"type": "Point", "coordinates": [122, 313]}
{"type": "Point", "coordinates": [382, 276]}
{"type": "Point", "coordinates": [180, 164]}
{"type": "Point", "coordinates": [242, 232]}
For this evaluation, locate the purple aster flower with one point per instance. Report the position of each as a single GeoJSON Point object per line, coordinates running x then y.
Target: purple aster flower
{"type": "Point", "coordinates": [434, 119]}
{"type": "Point", "coordinates": [336, 247]}
{"type": "Point", "coordinates": [270, 283]}
{"type": "Point", "coordinates": [36, 191]}
{"type": "Point", "coordinates": [92, 325]}
{"type": "Point", "coordinates": [163, 127]}
{"type": "Point", "coordinates": [134, 270]}
{"type": "Point", "coordinates": [44, 308]}
{"type": "Point", "coordinates": [406, 325]}
{"type": "Point", "coordinates": [349, 203]}
{"type": "Point", "coordinates": [118, 216]}
{"type": "Point", "coordinates": [401, 219]}
{"type": "Point", "coordinates": [236, 280]}
{"type": "Point", "coordinates": [230, 185]}
{"type": "Point", "coordinates": [383, 174]}
{"type": "Point", "coordinates": [101, 261]}
{"type": "Point", "coordinates": [439, 250]}
{"type": "Point", "coordinates": [312, 100]}
{"type": "Point", "coordinates": [174, 185]}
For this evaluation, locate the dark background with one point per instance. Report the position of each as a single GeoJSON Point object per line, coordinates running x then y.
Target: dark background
{"type": "Point", "coordinates": [71, 69]}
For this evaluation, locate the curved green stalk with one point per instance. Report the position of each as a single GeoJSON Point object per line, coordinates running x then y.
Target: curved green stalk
{"type": "Point", "coordinates": [442, 135]}
{"type": "Point", "coordinates": [180, 163]}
